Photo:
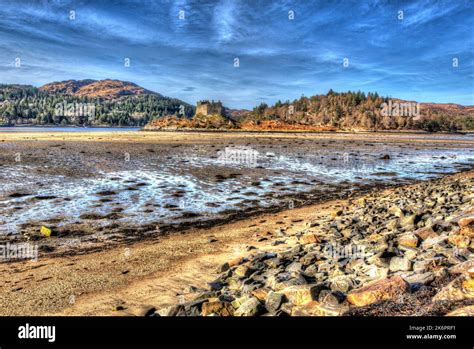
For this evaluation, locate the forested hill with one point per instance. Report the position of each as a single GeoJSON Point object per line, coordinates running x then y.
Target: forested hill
{"type": "Point", "coordinates": [358, 110]}
{"type": "Point", "coordinates": [86, 102]}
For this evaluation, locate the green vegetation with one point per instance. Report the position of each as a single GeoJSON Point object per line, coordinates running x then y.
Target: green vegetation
{"type": "Point", "coordinates": [357, 110]}
{"type": "Point", "coordinates": [20, 104]}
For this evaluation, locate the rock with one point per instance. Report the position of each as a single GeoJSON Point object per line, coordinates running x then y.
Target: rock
{"type": "Point", "coordinates": [457, 290]}
{"type": "Point", "coordinates": [283, 280]}
{"type": "Point", "coordinates": [467, 226]}
{"type": "Point", "coordinates": [465, 221]}
{"type": "Point", "coordinates": [416, 280]}
{"type": "Point", "coordinates": [384, 289]}
{"type": "Point", "coordinates": [218, 308]}
{"type": "Point", "coordinates": [308, 238]}
{"type": "Point", "coordinates": [224, 267]}
{"type": "Point", "coordinates": [216, 285]}
{"type": "Point", "coordinates": [458, 240]}
{"type": "Point", "coordinates": [171, 311]}
{"type": "Point", "coordinates": [396, 211]}
{"type": "Point", "coordinates": [425, 233]}
{"type": "Point", "coordinates": [260, 293]}
{"type": "Point", "coordinates": [236, 261]}
{"type": "Point", "coordinates": [302, 293]}
{"type": "Point", "coordinates": [294, 267]}
{"type": "Point", "coordinates": [243, 271]}
{"type": "Point", "coordinates": [407, 222]}
{"type": "Point", "coordinates": [239, 301]}
{"type": "Point", "coordinates": [399, 264]}
{"type": "Point", "coordinates": [408, 240]}
{"type": "Point", "coordinates": [315, 308]}
{"type": "Point", "coordinates": [421, 266]}
{"type": "Point", "coordinates": [273, 301]}
{"type": "Point", "coordinates": [464, 311]}
{"type": "Point", "coordinates": [251, 307]}
{"type": "Point", "coordinates": [342, 284]}
{"type": "Point", "coordinates": [385, 157]}
{"type": "Point", "coordinates": [146, 310]}
{"type": "Point", "coordinates": [432, 241]}
{"type": "Point", "coordinates": [392, 224]}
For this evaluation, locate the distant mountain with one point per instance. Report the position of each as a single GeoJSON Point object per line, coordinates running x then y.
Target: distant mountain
{"type": "Point", "coordinates": [96, 88]}
{"type": "Point", "coordinates": [86, 102]}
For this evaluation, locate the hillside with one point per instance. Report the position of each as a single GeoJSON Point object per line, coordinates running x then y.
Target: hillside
{"type": "Point", "coordinates": [358, 111]}
{"type": "Point", "coordinates": [107, 88]}
{"type": "Point", "coordinates": [86, 102]}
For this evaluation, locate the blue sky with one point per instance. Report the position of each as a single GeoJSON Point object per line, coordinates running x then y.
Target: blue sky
{"type": "Point", "coordinates": [280, 58]}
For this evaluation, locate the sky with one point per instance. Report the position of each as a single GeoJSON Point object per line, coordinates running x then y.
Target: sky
{"type": "Point", "coordinates": [246, 52]}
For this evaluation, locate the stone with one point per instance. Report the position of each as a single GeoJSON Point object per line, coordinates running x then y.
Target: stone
{"type": "Point", "coordinates": [260, 293]}
{"type": "Point", "coordinates": [243, 271]}
{"type": "Point", "coordinates": [216, 285]}
{"type": "Point", "coordinates": [457, 290]}
{"type": "Point", "coordinates": [145, 310]}
{"type": "Point", "coordinates": [425, 233]}
{"type": "Point", "coordinates": [342, 284]}
{"type": "Point", "coordinates": [396, 211]}
{"type": "Point", "coordinates": [251, 307]}
{"type": "Point", "coordinates": [417, 280]}
{"type": "Point", "coordinates": [407, 221]}
{"type": "Point", "coordinates": [236, 261]}
{"type": "Point", "coordinates": [459, 240]}
{"type": "Point", "coordinates": [239, 301]}
{"type": "Point", "coordinates": [432, 241]}
{"type": "Point", "coordinates": [337, 213]}
{"type": "Point", "coordinates": [308, 238]}
{"type": "Point", "coordinates": [384, 289]}
{"type": "Point", "coordinates": [408, 240]}
{"type": "Point", "coordinates": [294, 267]}
{"type": "Point", "coordinates": [283, 280]}
{"type": "Point", "coordinates": [392, 224]}
{"type": "Point", "coordinates": [302, 293]}
{"type": "Point", "coordinates": [273, 301]}
{"type": "Point", "coordinates": [218, 308]}
{"type": "Point", "coordinates": [224, 267]}
{"type": "Point", "coordinates": [170, 311]}
{"type": "Point", "coordinates": [400, 264]}
{"type": "Point", "coordinates": [464, 311]}
{"type": "Point", "coordinates": [421, 266]}
{"type": "Point", "coordinates": [315, 308]}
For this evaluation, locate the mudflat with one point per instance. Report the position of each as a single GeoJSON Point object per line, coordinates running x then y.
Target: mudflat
{"type": "Point", "coordinates": [140, 218]}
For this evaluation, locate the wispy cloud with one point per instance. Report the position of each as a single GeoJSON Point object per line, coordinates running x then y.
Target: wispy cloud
{"type": "Point", "coordinates": [191, 54]}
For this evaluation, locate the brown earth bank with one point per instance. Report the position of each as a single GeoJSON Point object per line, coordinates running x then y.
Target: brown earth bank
{"type": "Point", "coordinates": [410, 253]}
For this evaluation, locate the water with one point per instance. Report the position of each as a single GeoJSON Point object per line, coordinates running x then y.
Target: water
{"type": "Point", "coordinates": [68, 129]}
{"type": "Point", "coordinates": [162, 187]}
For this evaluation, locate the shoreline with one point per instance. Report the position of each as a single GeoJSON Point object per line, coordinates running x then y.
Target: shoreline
{"type": "Point", "coordinates": [126, 280]}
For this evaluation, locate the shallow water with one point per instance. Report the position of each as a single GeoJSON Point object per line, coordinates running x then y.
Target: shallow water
{"type": "Point", "coordinates": [67, 129]}
{"type": "Point", "coordinates": [182, 184]}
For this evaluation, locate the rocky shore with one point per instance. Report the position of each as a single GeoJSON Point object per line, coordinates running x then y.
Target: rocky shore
{"type": "Point", "coordinates": [406, 252]}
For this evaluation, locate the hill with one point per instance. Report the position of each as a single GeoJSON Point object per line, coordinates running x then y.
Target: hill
{"type": "Point", "coordinates": [86, 102]}
{"type": "Point", "coordinates": [358, 111]}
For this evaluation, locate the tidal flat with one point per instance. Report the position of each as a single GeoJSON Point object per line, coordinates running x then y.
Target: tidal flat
{"type": "Point", "coordinates": [97, 190]}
